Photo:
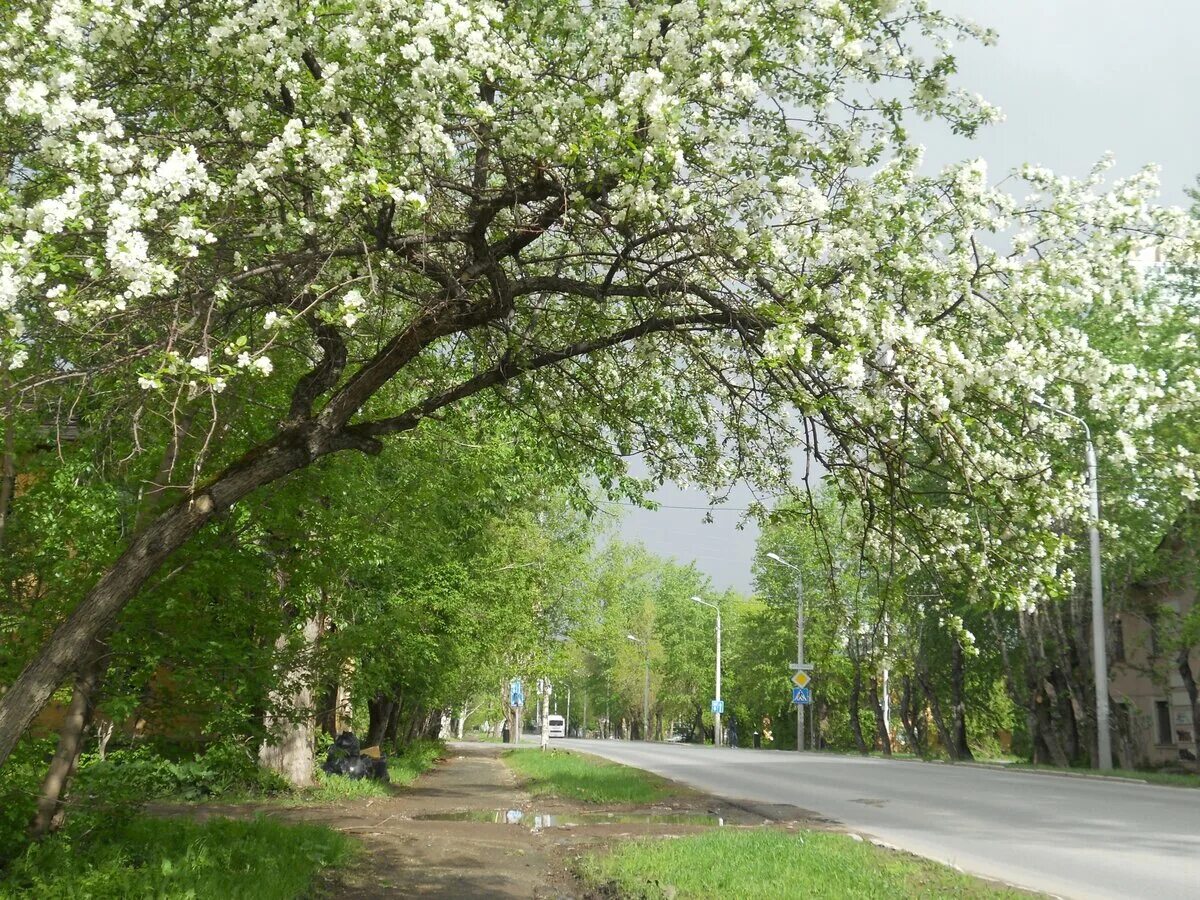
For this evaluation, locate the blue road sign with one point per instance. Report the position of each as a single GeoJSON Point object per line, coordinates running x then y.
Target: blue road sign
{"type": "Point", "coordinates": [718, 706]}
{"type": "Point", "coordinates": [801, 696]}
{"type": "Point", "coordinates": [515, 696]}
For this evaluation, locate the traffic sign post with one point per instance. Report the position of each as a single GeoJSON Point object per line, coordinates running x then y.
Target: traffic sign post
{"type": "Point", "coordinates": [516, 700]}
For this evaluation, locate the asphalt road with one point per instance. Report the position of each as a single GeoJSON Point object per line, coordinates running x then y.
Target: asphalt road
{"type": "Point", "coordinates": [1074, 837]}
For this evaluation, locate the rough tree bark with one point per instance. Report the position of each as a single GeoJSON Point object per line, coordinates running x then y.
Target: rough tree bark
{"type": "Point", "coordinates": [855, 722]}
{"type": "Point", "coordinates": [393, 722]}
{"type": "Point", "coordinates": [1184, 664]}
{"type": "Point", "coordinates": [90, 676]}
{"type": "Point", "coordinates": [70, 742]}
{"type": "Point", "coordinates": [958, 697]}
{"type": "Point", "coordinates": [909, 710]}
{"type": "Point", "coordinates": [935, 708]}
{"type": "Point", "coordinates": [1047, 746]}
{"type": "Point", "coordinates": [148, 550]}
{"type": "Point", "coordinates": [379, 711]}
{"type": "Point", "coordinates": [289, 751]}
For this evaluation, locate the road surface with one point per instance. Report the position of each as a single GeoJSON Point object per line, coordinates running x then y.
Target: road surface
{"type": "Point", "coordinates": [1074, 837]}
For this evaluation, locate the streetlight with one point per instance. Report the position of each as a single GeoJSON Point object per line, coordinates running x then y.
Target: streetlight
{"type": "Point", "coordinates": [646, 690]}
{"type": "Point", "coordinates": [1099, 640]}
{"type": "Point", "coordinates": [716, 713]}
{"type": "Point", "coordinates": [800, 666]}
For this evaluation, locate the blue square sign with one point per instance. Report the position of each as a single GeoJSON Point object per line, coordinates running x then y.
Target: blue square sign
{"type": "Point", "coordinates": [718, 706]}
{"type": "Point", "coordinates": [801, 696]}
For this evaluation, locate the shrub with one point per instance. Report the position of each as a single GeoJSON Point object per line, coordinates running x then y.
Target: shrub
{"type": "Point", "coordinates": [150, 857]}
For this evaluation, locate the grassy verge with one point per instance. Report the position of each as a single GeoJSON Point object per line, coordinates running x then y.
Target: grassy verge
{"type": "Point", "coordinates": [572, 776]}
{"type": "Point", "coordinates": [144, 857]}
{"type": "Point", "coordinates": [771, 864]}
{"type": "Point", "coordinates": [403, 768]}
{"type": "Point", "coordinates": [1173, 779]}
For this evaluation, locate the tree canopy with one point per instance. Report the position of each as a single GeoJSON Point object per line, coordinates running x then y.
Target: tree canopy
{"type": "Point", "coordinates": [695, 230]}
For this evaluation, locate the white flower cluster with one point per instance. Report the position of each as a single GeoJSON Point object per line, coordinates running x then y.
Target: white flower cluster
{"type": "Point", "coordinates": [298, 149]}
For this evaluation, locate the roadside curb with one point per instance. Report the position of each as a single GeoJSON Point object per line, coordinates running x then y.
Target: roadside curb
{"type": "Point", "coordinates": [1000, 767]}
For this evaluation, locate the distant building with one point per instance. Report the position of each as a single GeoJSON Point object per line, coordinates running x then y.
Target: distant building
{"type": "Point", "coordinates": [1145, 677]}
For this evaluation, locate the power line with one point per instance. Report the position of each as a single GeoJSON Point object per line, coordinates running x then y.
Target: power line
{"type": "Point", "coordinates": [674, 506]}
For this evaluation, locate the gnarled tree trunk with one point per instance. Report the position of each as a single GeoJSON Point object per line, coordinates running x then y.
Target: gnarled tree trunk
{"type": "Point", "coordinates": [855, 722]}
{"type": "Point", "coordinates": [95, 615]}
{"type": "Point", "coordinates": [290, 749]}
{"type": "Point", "coordinates": [70, 743]}
{"type": "Point", "coordinates": [1184, 664]}
{"type": "Point", "coordinates": [379, 711]}
{"type": "Point", "coordinates": [935, 709]}
{"type": "Point", "coordinates": [962, 749]}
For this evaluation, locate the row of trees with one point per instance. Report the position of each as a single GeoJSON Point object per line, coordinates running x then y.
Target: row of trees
{"type": "Point", "coordinates": [901, 662]}
{"type": "Point", "coordinates": [499, 249]}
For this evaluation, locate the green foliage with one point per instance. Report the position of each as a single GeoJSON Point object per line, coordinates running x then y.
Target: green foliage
{"type": "Point", "coordinates": [153, 857]}
{"type": "Point", "coordinates": [414, 760]}
{"type": "Point", "coordinates": [631, 592]}
{"type": "Point", "coordinates": [404, 768]}
{"type": "Point", "coordinates": [766, 864]}
{"type": "Point", "coordinates": [127, 777]}
{"type": "Point", "coordinates": [334, 789]}
{"type": "Point", "coordinates": [572, 776]}
{"type": "Point", "coordinates": [19, 781]}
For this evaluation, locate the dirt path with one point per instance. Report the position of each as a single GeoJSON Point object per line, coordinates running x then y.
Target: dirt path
{"type": "Point", "coordinates": [408, 855]}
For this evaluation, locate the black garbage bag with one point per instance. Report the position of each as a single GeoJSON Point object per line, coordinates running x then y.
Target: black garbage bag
{"type": "Point", "coordinates": [345, 758]}
{"type": "Point", "coordinates": [348, 742]}
{"type": "Point", "coordinates": [379, 769]}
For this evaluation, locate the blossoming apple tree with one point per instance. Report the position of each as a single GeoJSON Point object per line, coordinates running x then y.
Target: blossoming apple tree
{"type": "Point", "coordinates": [695, 229]}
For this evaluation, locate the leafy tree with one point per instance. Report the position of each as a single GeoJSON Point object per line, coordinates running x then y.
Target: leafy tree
{"type": "Point", "coordinates": [645, 229]}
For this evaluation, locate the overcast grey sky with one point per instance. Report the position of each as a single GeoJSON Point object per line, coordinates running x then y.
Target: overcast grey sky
{"type": "Point", "coordinates": [1075, 78]}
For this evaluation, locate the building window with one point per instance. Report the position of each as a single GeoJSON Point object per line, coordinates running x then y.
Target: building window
{"type": "Point", "coordinates": [1162, 721]}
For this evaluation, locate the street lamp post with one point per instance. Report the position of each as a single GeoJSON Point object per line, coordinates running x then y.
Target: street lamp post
{"type": "Point", "coordinates": [646, 689]}
{"type": "Point", "coordinates": [799, 639]}
{"type": "Point", "coordinates": [1099, 640]}
{"type": "Point", "coordinates": [717, 735]}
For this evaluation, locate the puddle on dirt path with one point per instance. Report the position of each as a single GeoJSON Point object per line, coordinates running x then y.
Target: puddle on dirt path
{"type": "Point", "coordinates": [570, 820]}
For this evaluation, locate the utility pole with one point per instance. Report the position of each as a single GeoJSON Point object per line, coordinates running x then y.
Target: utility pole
{"type": "Point", "coordinates": [1099, 638]}
{"type": "Point", "coordinates": [718, 737]}
{"type": "Point", "coordinates": [544, 687]}
{"type": "Point", "coordinates": [800, 665]}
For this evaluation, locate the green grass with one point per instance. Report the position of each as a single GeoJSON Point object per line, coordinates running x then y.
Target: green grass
{"type": "Point", "coordinates": [418, 757]}
{"type": "Point", "coordinates": [403, 768]}
{"type": "Point", "coordinates": [572, 776]}
{"type": "Point", "coordinates": [1172, 779]}
{"type": "Point", "coordinates": [177, 858]}
{"type": "Point", "coordinates": [334, 789]}
{"type": "Point", "coordinates": [770, 864]}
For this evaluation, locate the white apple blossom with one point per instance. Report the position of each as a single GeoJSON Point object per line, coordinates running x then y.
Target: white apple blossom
{"type": "Point", "coordinates": [540, 176]}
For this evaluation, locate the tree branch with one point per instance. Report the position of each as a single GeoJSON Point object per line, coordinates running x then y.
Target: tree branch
{"type": "Point", "coordinates": [508, 369]}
